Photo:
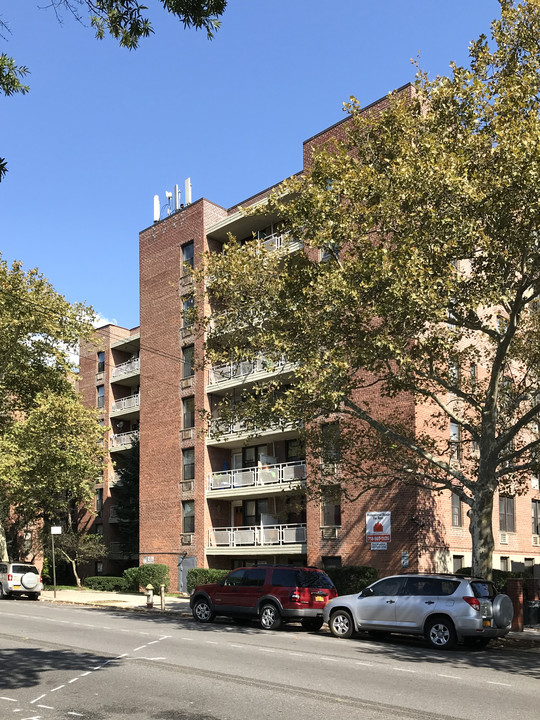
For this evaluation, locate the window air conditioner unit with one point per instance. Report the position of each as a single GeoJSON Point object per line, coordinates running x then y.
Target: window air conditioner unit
{"type": "Point", "coordinates": [536, 540]}
{"type": "Point", "coordinates": [188, 434]}
{"type": "Point", "coordinates": [329, 533]}
{"type": "Point", "coordinates": [187, 382]}
{"type": "Point", "coordinates": [503, 538]}
{"type": "Point", "coordinates": [186, 539]}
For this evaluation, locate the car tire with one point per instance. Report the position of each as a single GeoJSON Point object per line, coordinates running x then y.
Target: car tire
{"type": "Point", "coordinates": [503, 610]}
{"type": "Point", "coordinates": [30, 581]}
{"type": "Point", "coordinates": [312, 624]}
{"type": "Point", "coordinates": [440, 633]}
{"type": "Point", "coordinates": [3, 594]}
{"type": "Point", "coordinates": [33, 596]}
{"type": "Point", "coordinates": [269, 617]}
{"type": "Point", "coordinates": [202, 611]}
{"type": "Point", "coordinates": [341, 624]}
{"type": "Point", "coordinates": [476, 643]}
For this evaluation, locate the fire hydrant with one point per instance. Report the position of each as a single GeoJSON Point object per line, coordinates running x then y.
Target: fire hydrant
{"type": "Point", "coordinates": [149, 596]}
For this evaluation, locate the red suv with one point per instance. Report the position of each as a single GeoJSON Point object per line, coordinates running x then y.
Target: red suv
{"type": "Point", "coordinates": [271, 593]}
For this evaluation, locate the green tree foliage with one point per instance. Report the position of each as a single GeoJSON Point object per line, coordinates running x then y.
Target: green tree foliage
{"type": "Point", "coordinates": [125, 20]}
{"type": "Point", "coordinates": [49, 443]}
{"type": "Point", "coordinates": [77, 546]}
{"type": "Point", "coordinates": [126, 494]}
{"type": "Point", "coordinates": [427, 218]}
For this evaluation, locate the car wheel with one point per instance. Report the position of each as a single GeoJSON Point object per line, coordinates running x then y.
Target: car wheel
{"type": "Point", "coordinates": [440, 634]}
{"type": "Point", "coordinates": [313, 624]}
{"type": "Point", "coordinates": [476, 643]}
{"type": "Point", "coordinates": [503, 610]}
{"type": "Point", "coordinates": [29, 581]}
{"type": "Point", "coordinates": [341, 624]}
{"type": "Point", "coordinates": [269, 617]}
{"type": "Point", "coordinates": [202, 611]}
{"type": "Point", "coordinates": [3, 594]}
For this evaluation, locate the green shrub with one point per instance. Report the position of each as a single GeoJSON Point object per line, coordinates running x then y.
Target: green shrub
{"type": "Point", "coordinates": [352, 579]}
{"type": "Point", "coordinates": [203, 576]}
{"type": "Point", "coordinates": [131, 578]}
{"type": "Point", "coordinates": [154, 575]}
{"type": "Point", "coordinates": [104, 582]}
{"type": "Point", "coordinates": [499, 577]}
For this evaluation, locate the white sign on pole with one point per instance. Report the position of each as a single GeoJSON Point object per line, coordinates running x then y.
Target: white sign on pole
{"type": "Point", "coordinates": [378, 527]}
{"type": "Point", "coordinates": [379, 546]}
{"type": "Point", "coordinates": [56, 530]}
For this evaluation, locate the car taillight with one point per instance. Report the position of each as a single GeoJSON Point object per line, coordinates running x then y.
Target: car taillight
{"type": "Point", "coordinates": [473, 602]}
{"type": "Point", "coordinates": [40, 579]}
{"type": "Point", "coordinates": [10, 577]}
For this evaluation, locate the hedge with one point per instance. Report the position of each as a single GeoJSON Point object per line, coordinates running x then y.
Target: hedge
{"type": "Point", "coordinates": [499, 577]}
{"type": "Point", "coordinates": [203, 576]}
{"type": "Point", "coordinates": [154, 574]}
{"type": "Point", "coordinates": [351, 579]}
{"type": "Point", "coordinates": [131, 579]}
{"type": "Point", "coordinates": [104, 582]}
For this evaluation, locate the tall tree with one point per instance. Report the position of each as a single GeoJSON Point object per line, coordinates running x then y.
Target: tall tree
{"type": "Point", "coordinates": [124, 20]}
{"type": "Point", "coordinates": [427, 218]}
{"type": "Point", "coordinates": [49, 443]}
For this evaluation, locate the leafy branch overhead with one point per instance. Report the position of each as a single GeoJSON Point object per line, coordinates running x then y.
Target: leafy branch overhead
{"type": "Point", "coordinates": [411, 314]}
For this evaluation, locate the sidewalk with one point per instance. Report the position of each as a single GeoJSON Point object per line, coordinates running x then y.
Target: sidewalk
{"type": "Point", "coordinates": [131, 601]}
{"type": "Point", "coordinates": [529, 639]}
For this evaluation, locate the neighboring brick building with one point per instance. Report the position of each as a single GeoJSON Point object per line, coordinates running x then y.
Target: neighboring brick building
{"type": "Point", "coordinates": [223, 501]}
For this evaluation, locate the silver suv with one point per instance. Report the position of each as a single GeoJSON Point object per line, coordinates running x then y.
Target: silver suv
{"type": "Point", "coordinates": [20, 579]}
{"type": "Point", "coordinates": [445, 609]}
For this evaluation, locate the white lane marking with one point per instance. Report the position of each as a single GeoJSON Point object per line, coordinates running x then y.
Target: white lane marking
{"type": "Point", "coordinates": [152, 642]}
{"type": "Point", "coordinates": [139, 648]}
{"type": "Point", "coordinates": [296, 654]}
{"type": "Point", "coordinates": [329, 659]}
{"type": "Point", "coordinates": [8, 699]}
{"type": "Point", "coordinates": [236, 646]}
{"type": "Point", "coordinates": [404, 670]}
{"type": "Point", "coordinates": [212, 642]}
{"type": "Point", "coordinates": [47, 707]}
{"type": "Point", "coordinates": [268, 650]}
{"type": "Point", "coordinates": [364, 663]}
{"type": "Point", "coordinates": [88, 672]}
{"type": "Point", "coordinates": [57, 688]}
{"type": "Point", "coordinates": [75, 713]}
{"type": "Point", "coordinates": [492, 682]}
{"type": "Point", "coordinates": [72, 680]}
{"type": "Point", "coordinates": [452, 677]}
{"type": "Point", "coordinates": [38, 698]}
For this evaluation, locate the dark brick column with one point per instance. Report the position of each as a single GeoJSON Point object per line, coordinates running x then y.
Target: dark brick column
{"type": "Point", "coordinates": [514, 588]}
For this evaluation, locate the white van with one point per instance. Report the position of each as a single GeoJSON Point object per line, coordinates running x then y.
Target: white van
{"type": "Point", "coordinates": [20, 579]}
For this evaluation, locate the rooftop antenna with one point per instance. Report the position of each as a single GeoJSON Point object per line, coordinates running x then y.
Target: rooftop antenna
{"type": "Point", "coordinates": [157, 209]}
{"type": "Point", "coordinates": [168, 195]}
{"type": "Point", "coordinates": [176, 198]}
{"type": "Point", "coordinates": [187, 191]}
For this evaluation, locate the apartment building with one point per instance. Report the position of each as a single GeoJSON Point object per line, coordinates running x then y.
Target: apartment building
{"type": "Point", "coordinates": [227, 499]}
{"type": "Point", "coordinates": [109, 379]}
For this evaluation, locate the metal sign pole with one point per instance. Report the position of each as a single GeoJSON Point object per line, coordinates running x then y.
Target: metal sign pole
{"type": "Point", "coordinates": [55, 530]}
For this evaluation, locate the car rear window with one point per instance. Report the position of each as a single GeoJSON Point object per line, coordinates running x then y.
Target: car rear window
{"type": "Point", "coordinates": [283, 577]}
{"type": "Point", "coordinates": [483, 589]}
{"type": "Point", "coordinates": [24, 569]}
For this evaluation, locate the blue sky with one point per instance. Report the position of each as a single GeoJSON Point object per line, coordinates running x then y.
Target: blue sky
{"type": "Point", "coordinates": [103, 129]}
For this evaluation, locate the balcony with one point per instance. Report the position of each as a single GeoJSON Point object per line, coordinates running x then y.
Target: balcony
{"type": "Point", "coordinates": [129, 368]}
{"type": "Point", "coordinates": [281, 241]}
{"type": "Point", "coordinates": [123, 441]}
{"type": "Point", "coordinates": [260, 539]}
{"type": "Point", "coordinates": [126, 405]}
{"type": "Point", "coordinates": [222, 376]}
{"type": "Point", "coordinates": [263, 480]}
{"type": "Point", "coordinates": [234, 435]}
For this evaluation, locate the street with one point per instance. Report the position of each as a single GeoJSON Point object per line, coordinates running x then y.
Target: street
{"type": "Point", "coordinates": [61, 662]}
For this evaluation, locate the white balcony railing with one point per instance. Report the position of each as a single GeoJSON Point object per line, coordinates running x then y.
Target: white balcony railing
{"type": "Point", "coordinates": [230, 371]}
{"type": "Point", "coordinates": [127, 403]}
{"type": "Point", "coordinates": [257, 476]}
{"type": "Point", "coordinates": [277, 241]}
{"type": "Point", "coordinates": [131, 366]}
{"type": "Point", "coordinates": [124, 439]}
{"type": "Point", "coordinates": [257, 535]}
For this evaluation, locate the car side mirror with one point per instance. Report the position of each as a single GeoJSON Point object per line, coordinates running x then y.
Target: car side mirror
{"type": "Point", "coordinates": [366, 592]}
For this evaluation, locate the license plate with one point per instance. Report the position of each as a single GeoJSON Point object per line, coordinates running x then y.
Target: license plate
{"type": "Point", "coordinates": [487, 623]}
{"type": "Point", "coordinates": [319, 598]}
{"type": "Point", "coordinates": [16, 587]}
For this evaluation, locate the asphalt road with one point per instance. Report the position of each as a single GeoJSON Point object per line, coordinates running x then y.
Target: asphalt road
{"type": "Point", "coordinates": [64, 662]}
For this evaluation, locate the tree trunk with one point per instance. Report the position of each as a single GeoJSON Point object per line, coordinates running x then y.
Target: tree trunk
{"type": "Point", "coordinates": [74, 568]}
{"type": "Point", "coordinates": [481, 530]}
{"type": "Point", "coordinates": [4, 557]}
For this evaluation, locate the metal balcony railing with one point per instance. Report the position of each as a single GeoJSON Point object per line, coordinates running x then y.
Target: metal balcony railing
{"type": "Point", "coordinates": [124, 439]}
{"type": "Point", "coordinates": [277, 241]}
{"type": "Point", "coordinates": [230, 371]}
{"type": "Point", "coordinates": [257, 535]}
{"type": "Point", "coordinates": [131, 366]}
{"type": "Point", "coordinates": [258, 476]}
{"type": "Point", "coordinates": [127, 403]}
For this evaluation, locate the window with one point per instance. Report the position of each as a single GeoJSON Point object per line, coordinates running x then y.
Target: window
{"type": "Point", "coordinates": [331, 561]}
{"type": "Point", "coordinates": [331, 507]}
{"type": "Point", "coordinates": [506, 514]}
{"type": "Point", "coordinates": [99, 500]}
{"type": "Point", "coordinates": [330, 452]}
{"type": "Point", "coordinates": [389, 586]}
{"type": "Point", "coordinates": [252, 511]}
{"type": "Point", "coordinates": [235, 578]}
{"type": "Point", "coordinates": [473, 374]}
{"type": "Point", "coordinates": [254, 577]}
{"type": "Point", "coordinates": [188, 303]}
{"type": "Point", "coordinates": [100, 362]}
{"type": "Point", "coordinates": [457, 563]}
{"type": "Point", "coordinates": [187, 361]}
{"type": "Point", "coordinates": [188, 516]}
{"type": "Point", "coordinates": [457, 515]}
{"type": "Point", "coordinates": [187, 257]}
{"type": "Point", "coordinates": [454, 373]}
{"type": "Point", "coordinates": [455, 441]}
{"type": "Point", "coordinates": [295, 450]}
{"type": "Point", "coordinates": [188, 464]}
{"type": "Point", "coordinates": [505, 563]}
{"type": "Point", "coordinates": [101, 396]}
{"type": "Point", "coordinates": [536, 517]}
{"type": "Point", "coordinates": [188, 412]}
